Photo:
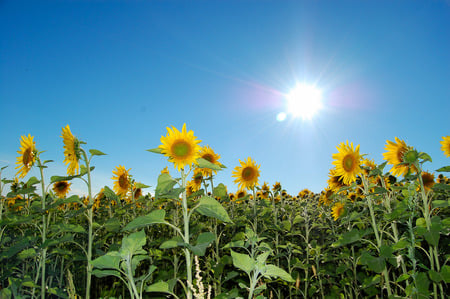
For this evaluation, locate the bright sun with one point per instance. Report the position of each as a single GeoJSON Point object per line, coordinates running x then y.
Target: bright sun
{"type": "Point", "coordinates": [304, 101]}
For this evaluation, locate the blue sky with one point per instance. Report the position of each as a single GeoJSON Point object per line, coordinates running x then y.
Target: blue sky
{"type": "Point", "coordinates": [120, 72]}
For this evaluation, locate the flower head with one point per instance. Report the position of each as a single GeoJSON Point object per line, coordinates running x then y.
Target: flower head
{"type": "Point", "coordinates": [121, 180]}
{"type": "Point", "coordinates": [208, 154]}
{"type": "Point", "coordinates": [446, 145]}
{"type": "Point", "coordinates": [347, 162]}
{"type": "Point", "coordinates": [71, 151]}
{"type": "Point", "coordinates": [61, 188]}
{"type": "Point", "coordinates": [181, 147]}
{"type": "Point", "coordinates": [247, 174]}
{"type": "Point", "coordinates": [27, 155]}
{"type": "Point", "coordinates": [395, 156]}
{"type": "Point", "coordinates": [337, 210]}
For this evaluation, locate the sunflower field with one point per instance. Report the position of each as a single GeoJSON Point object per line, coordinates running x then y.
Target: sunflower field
{"type": "Point", "coordinates": [376, 231]}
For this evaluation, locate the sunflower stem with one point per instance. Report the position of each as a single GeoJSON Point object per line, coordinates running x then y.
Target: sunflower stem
{"type": "Point", "coordinates": [186, 235]}
{"type": "Point", "coordinates": [90, 234]}
{"type": "Point", "coordinates": [44, 230]}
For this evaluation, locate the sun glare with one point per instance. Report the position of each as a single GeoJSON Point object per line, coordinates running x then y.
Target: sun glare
{"type": "Point", "coordinates": [304, 101]}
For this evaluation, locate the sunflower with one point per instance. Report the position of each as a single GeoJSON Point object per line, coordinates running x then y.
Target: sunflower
{"type": "Point", "coordinates": [368, 166]}
{"type": "Point", "coordinates": [247, 174]}
{"type": "Point", "coordinates": [71, 151]}
{"type": "Point", "coordinates": [197, 179]}
{"type": "Point", "coordinates": [122, 180]}
{"type": "Point", "coordinates": [335, 182]}
{"type": "Point", "coordinates": [337, 210]}
{"type": "Point", "coordinates": [347, 162]}
{"type": "Point", "coordinates": [181, 147]}
{"type": "Point", "coordinates": [428, 180]}
{"type": "Point", "coordinates": [325, 197]}
{"type": "Point", "coordinates": [395, 156]}
{"type": "Point", "coordinates": [27, 156]}
{"type": "Point", "coordinates": [208, 154]}
{"type": "Point", "coordinates": [276, 187]}
{"type": "Point", "coordinates": [446, 145]}
{"type": "Point", "coordinates": [241, 193]}
{"type": "Point", "coordinates": [61, 188]}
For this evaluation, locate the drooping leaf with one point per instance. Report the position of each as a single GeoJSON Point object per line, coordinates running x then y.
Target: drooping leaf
{"type": "Point", "coordinates": [444, 169]}
{"type": "Point", "coordinates": [95, 152]}
{"type": "Point", "coordinates": [111, 260]}
{"type": "Point", "coordinates": [172, 243]}
{"type": "Point", "coordinates": [142, 186]}
{"type": "Point", "coordinates": [212, 208]}
{"type": "Point", "coordinates": [274, 271]}
{"type": "Point", "coordinates": [165, 184]}
{"type": "Point", "coordinates": [154, 217]}
{"type": "Point", "coordinates": [203, 241]}
{"type": "Point", "coordinates": [105, 272]}
{"type": "Point", "coordinates": [160, 286]}
{"type": "Point", "coordinates": [133, 243]}
{"type": "Point", "coordinates": [203, 163]}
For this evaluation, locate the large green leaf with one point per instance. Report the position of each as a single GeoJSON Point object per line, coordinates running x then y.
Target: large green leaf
{"type": "Point", "coordinates": [111, 260]}
{"type": "Point", "coordinates": [154, 217]}
{"type": "Point", "coordinates": [203, 163]}
{"type": "Point", "coordinates": [57, 178]}
{"type": "Point", "coordinates": [203, 241]}
{"type": "Point", "coordinates": [243, 262]}
{"type": "Point", "coordinates": [348, 237]}
{"type": "Point", "coordinates": [212, 208]}
{"type": "Point", "coordinates": [444, 169]}
{"type": "Point", "coordinates": [376, 264]}
{"type": "Point", "coordinates": [274, 271]}
{"type": "Point", "coordinates": [160, 286]}
{"type": "Point", "coordinates": [220, 190]}
{"type": "Point", "coordinates": [172, 243]}
{"type": "Point", "coordinates": [133, 243]}
{"type": "Point", "coordinates": [104, 273]}
{"type": "Point", "coordinates": [165, 185]}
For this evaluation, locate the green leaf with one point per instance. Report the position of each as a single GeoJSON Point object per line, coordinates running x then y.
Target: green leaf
{"type": "Point", "coordinates": [376, 264]}
{"type": "Point", "coordinates": [400, 244]}
{"type": "Point", "coordinates": [445, 272]}
{"type": "Point", "coordinates": [386, 251]}
{"type": "Point", "coordinates": [27, 253]}
{"type": "Point", "coordinates": [212, 208]}
{"type": "Point", "coordinates": [432, 237]}
{"type": "Point", "coordinates": [32, 181]}
{"type": "Point", "coordinates": [95, 152]}
{"type": "Point", "coordinates": [402, 277]}
{"type": "Point", "coordinates": [133, 243]}
{"type": "Point", "coordinates": [110, 194]}
{"type": "Point", "coordinates": [262, 258]}
{"type": "Point", "coordinates": [441, 187]}
{"type": "Point", "coordinates": [160, 286]}
{"type": "Point", "coordinates": [243, 262]}
{"type": "Point", "coordinates": [220, 191]}
{"type": "Point", "coordinates": [111, 260]}
{"type": "Point", "coordinates": [203, 163]}
{"type": "Point", "coordinates": [57, 178]}
{"type": "Point", "coordinates": [435, 276]}
{"type": "Point", "coordinates": [154, 217]}
{"type": "Point", "coordinates": [155, 150]}
{"type": "Point", "coordinates": [274, 271]}
{"type": "Point", "coordinates": [112, 225]}
{"type": "Point", "coordinates": [349, 237]}
{"type": "Point", "coordinates": [104, 273]}
{"type": "Point", "coordinates": [66, 227]}
{"type": "Point", "coordinates": [203, 241]}
{"type": "Point", "coordinates": [444, 169]}
{"type": "Point", "coordinates": [425, 157]}
{"type": "Point", "coordinates": [142, 186]}
{"type": "Point", "coordinates": [172, 243]}
{"type": "Point", "coordinates": [165, 184]}
{"type": "Point", "coordinates": [440, 203]}
{"type": "Point", "coordinates": [423, 284]}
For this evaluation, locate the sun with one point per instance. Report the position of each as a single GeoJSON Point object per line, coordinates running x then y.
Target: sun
{"type": "Point", "coordinates": [304, 101]}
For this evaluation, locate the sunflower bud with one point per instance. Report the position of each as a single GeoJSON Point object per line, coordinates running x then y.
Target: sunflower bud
{"type": "Point", "coordinates": [411, 156]}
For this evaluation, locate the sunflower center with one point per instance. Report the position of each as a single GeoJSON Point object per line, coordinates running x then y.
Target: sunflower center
{"type": "Point", "coordinates": [123, 181]}
{"type": "Point", "coordinates": [208, 157]}
{"type": "Point", "coordinates": [248, 173]}
{"type": "Point", "coordinates": [181, 148]}
{"type": "Point", "coordinates": [61, 186]}
{"type": "Point", "coordinates": [348, 162]}
{"type": "Point", "coordinates": [27, 157]}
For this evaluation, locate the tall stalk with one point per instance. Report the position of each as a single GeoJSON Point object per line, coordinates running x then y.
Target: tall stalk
{"type": "Point", "coordinates": [44, 230]}
{"type": "Point", "coordinates": [186, 235]}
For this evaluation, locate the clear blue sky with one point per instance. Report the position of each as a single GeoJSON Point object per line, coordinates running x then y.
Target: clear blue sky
{"type": "Point", "coordinates": [120, 72]}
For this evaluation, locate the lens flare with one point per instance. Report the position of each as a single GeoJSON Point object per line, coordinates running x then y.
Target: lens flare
{"type": "Point", "coordinates": [304, 101]}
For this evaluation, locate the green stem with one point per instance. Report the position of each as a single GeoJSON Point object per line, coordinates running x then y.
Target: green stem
{"type": "Point", "coordinates": [186, 235]}
{"type": "Point", "coordinates": [44, 230]}
{"type": "Point", "coordinates": [90, 233]}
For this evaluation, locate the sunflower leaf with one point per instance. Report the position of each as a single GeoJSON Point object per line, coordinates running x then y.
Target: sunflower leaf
{"type": "Point", "coordinates": [95, 152]}
{"type": "Point", "coordinates": [203, 163]}
{"type": "Point", "coordinates": [142, 186]}
{"type": "Point", "coordinates": [3, 167]}
{"type": "Point", "coordinates": [444, 169]}
{"type": "Point", "coordinates": [155, 150]}
{"type": "Point", "coordinates": [210, 207]}
{"type": "Point", "coordinates": [32, 181]}
{"type": "Point", "coordinates": [142, 221]}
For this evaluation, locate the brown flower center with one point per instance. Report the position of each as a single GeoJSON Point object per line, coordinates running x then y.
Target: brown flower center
{"type": "Point", "coordinates": [208, 157]}
{"type": "Point", "coordinates": [348, 162]}
{"type": "Point", "coordinates": [248, 173]}
{"type": "Point", "coordinates": [123, 181]}
{"type": "Point", "coordinates": [181, 148]}
{"type": "Point", "coordinates": [27, 157]}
